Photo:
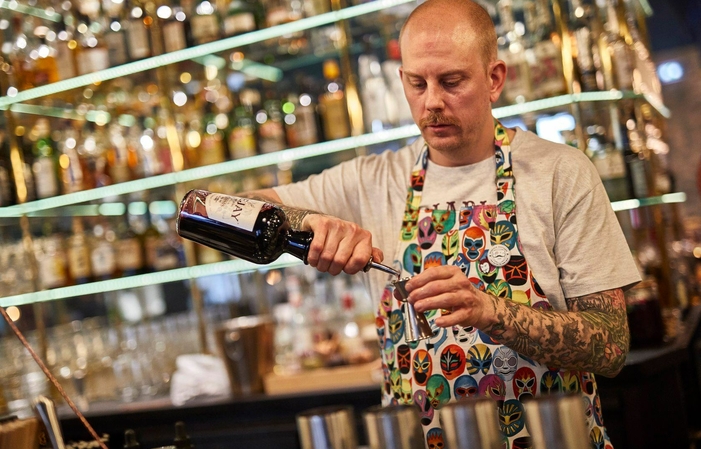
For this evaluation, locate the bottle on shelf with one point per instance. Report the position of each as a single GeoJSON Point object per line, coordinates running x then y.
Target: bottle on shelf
{"type": "Point", "coordinates": [51, 258]}
{"type": "Point", "coordinates": [182, 439]}
{"type": "Point", "coordinates": [92, 54]}
{"type": "Point", "coordinates": [242, 135]}
{"type": "Point", "coordinates": [618, 53]}
{"type": "Point", "coordinates": [213, 145]}
{"type": "Point", "coordinates": [332, 103]}
{"type": "Point", "coordinates": [300, 120]}
{"type": "Point", "coordinates": [252, 230]}
{"type": "Point", "coordinates": [130, 258]}
{"type": "Point", "coordinates": [242, 16]}
{"type": "Point", "coordinates": [400, 113]}
{"type": "Point", "coordinates": [544, 55]}
{"type": "Point", "coordinates": [511, 50]}
{"type": "Point", "coordinates": [581, 25]}
{"type": "Point", "coordinates": [45, 162]}
{"type": "Point", "coordinates": [136, 23]}
{"type": "Point", "coordinates": [78, 252]}
{"type": "Point", "coordinates": [102, 251]}
{"type": "Point", "coordinates": [69, 161]}
{"type": "Point", "coordinates": [271, 133]}
{"type": "Point", "coordinates": [6, 195]}
{"type": "Point", "coordinates": [374, 96]}
{"type": "Point", "coordinates": [175, 25]}
{"type": "Point", "coordinates": [27, 162]}
{"type": "Point", "coordinates": [204, 23]}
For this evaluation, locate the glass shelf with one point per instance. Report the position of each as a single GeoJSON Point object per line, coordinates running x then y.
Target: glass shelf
{"type": "Point", "coordinates": [46, 14]}
{"type": "Point", "coordinates": [142, 280]}
{"type": "Point", "coordinates": [33, 208]}
{"type": "Point", "coordinates": [200, 50]}
{"type": "Point", "coordinates": [233, 266]}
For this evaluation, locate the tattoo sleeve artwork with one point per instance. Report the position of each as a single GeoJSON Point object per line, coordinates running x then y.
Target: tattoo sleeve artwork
{"type": "Point", "coordinates": [593, 336]}
{"type": "Point", "coordinates": [294, 215]}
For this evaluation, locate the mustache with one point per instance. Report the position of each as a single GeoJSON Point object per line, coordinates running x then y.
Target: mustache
{"type": "Point", "coordinates": [436, 118]}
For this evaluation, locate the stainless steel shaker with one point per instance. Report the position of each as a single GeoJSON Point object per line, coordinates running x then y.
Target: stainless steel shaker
{"type": "Point", "coordinates": [393, 427]}
{"type": "Point", "coordinates": [330, 427]}
{"type": "Point", "coordinates": [557, 422]}
{"type": "Point", "coordinates": [471, 423]}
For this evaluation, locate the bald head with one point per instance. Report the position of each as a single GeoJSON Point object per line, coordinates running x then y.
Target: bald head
{"type": "Point", "coordinates": [465, 21]}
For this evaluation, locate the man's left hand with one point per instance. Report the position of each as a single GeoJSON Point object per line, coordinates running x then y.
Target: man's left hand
{"type": "Point", "coordinates": [446, 287]}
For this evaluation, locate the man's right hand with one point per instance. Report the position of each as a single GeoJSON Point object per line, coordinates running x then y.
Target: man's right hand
{"type": "Point", "coordinates": [339, 245]}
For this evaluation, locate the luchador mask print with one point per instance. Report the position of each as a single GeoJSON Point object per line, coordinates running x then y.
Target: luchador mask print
{"type": "Point", "coordinates": [511, 418]}
{"type": "Point", "coordinates": [425, 410]}
{"type": "Point", "coordinates": [417, 180]}
{"type": "Point", "coordinates": [478, 283]}
{"type": "Point", "coordinates": [520, 297]}
{"type": "Point", "coordinates": [587, 382]}
{"type": "Point", "coordinates": [435, 259]}
{"type": "Point", "coordinates": [504, 233]}
{"type": "Point", "coordinates": [485, 270]}
{"type": "Point", "coordinates": [505, 362]}
{"type": "Point", "coordinates": [451, 244]}
{"type": "Point", "coordinates": [412, 259]}
{"type": "Point", "coordinates": [427, 234]}
{"type": "Point", "coordinates": [385, 303]}
{"type": "Point", "coordinates": [484, 216]}
{"type": "Point", "coordinates": [463, 263]}
{"type": "Point", "coordinates": [380, 326]}
{"type": "Point", "coordinates": [452, 361]}
{"type": "Point", "coordinates": [409, 225]}
{"type": "Point", "coordinates": [465, 386]}
{"type": "Point", "coordinates": [500, 289]}
{"type": "Point", "coordinates": [551, 382]}
{"type": "Point", "coordinates": [499, 159]}
{"type": "Point", "coordinates": [464, 335]}
{"type": "Point", "coordinates": [597, 438]}
{"type": "Point", "coordinates": [492, 386]}
{"type": "Point", "coordinates": [516, 270]}
{"type": "Point", "coordinates": [473, 243]}
{"type": "Point", "coordinates": [465, 217]}
{"type": "Point", "coordinates": [570, 382]}
{"type": "Point", "coordinates": [443, 220]}
{"type": "Point", "coordinates": [438, 391]}
{"type": "Point", "coordinates": [479, 359]}
{"type": "Point", "coordinates": [423, 367]}
{"type": "Point", "coordinates": [588, 410]}
{"type": "Point", "coordinates": [536, 288]}
{"type": "Point", "coordinates": [434, 439]}
{"type": "Point", "coordinates": [542, 305]}
{"type": "Point", "coordinates": [404, 359]}
{"type": "Point", "coordinates": [506, 207]}
{"type": "Point", "coordinates": [524, 383]}
{"type": "Point", "coordinates": [598, 416]}
{"type": "Point", "coordinates": [396, 326]}
{"type": "Point", "coordinates": [405, 394]}
{"type": "Point", "coordinates": [389, 354]}
{"type": "Point", "coordinates": [395, 382]}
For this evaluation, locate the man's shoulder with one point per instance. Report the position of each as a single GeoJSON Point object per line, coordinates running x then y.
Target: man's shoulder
{"type": "Point", "coordinates": [391, 160]}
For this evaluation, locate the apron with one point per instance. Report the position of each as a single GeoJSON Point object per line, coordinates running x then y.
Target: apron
{"type": "Point", "coordinates": [482, 239]}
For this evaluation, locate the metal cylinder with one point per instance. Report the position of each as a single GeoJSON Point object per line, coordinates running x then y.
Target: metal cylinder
{"type": "Point", "coordinates": [471, 423]}
{"type": "Point", "coordinates": [393, 427]}
{"type": "Point", "coordinates": [330, 427]}
{"type": "Point", "coordinates": [557, 422]}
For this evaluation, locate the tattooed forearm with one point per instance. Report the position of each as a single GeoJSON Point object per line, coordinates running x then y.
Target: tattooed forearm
{"type": "Point", "coordinates": [294, 215]}
{"type": "Point", "coordinates": [593, 336]}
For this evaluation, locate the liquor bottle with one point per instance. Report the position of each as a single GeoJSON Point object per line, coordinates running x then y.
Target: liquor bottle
{"type": "Point", "coordinates": [51, 258]}
{"type": "Point", "coordinates": [45, 165]}
{"type": "Point", "coordinates": [150, 238]}
{"type": "Point", "coordinates": [137, 31]}
{"type": "Point", "coordinates": [116, 39]}
{"type": "Point", "coordinates": [622, 56]}
{"type": "Point", "coordinates": [212, 149]}
{"type": "Point", "coordinates": [102, 252]}
{"type": "Point", "coordinates": [400, 113]}
{"type": "Point", "coordinates": [92, 53]}
{"type": "Point", "coordinates": [242, 137]}
{"type": "Point", "coordinates": [300, 120]}
{"type": "Point", "coordinates": [78, 251]}
{"type": "Point", "coordinates": [242, 16]}
{"type": "Point", "coordinates": [253, 230]}
{"type": "Point", "coordinates": [69, 161]}
{"type": "Point", "coordinates": [117, 155]}
{"type": "Point", "coordinates": [63, 52]}
{"type": "Point", "coordinates": [374, 94]}
{"type": "Point", "coordinates": [585, 49]}
{"type": "Point", "coordinates": [609, 162]}
{"type": "Point", "coordinates": [545, 63]}
{"type": "Point", "coordinates": [517, 87]}
{"type": "Point", "coordinates": [130, 259]}
{"type": "Point", "coordinates": [175, 25]}
{"type": "Point", "coordinates": [204, 24]}
{"type": "Point", "coordinates": [332, 104]}
{"type": "Point", "coordinates": [182, 440]}
{"type": "Point", "coordinates": [130, 441]}
{"type": "Point", "coordinates": [271, 133]}
{"type": "Point", "coordinates": [6, 197]}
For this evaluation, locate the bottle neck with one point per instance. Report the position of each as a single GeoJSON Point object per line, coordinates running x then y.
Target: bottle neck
{"type": "Point", "coordinates": [297, 243]}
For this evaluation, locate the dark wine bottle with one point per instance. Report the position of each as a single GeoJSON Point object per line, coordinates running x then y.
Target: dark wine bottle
{"type": "Point", "coordinates": [182, 439]}
{"type": "Point", "coordinates": [130, 440]}
{"type": "Point", "coordinates": [252, 230]}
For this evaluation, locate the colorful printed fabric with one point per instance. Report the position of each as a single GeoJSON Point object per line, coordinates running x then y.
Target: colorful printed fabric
{"type": "Point", "coordinates": [482, 239]}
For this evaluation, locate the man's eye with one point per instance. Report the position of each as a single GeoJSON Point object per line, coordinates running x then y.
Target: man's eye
{"type": "Point", "coordinates": [451, 83]}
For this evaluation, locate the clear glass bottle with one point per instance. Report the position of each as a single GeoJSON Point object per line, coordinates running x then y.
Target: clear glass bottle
{"type": "Point", "coordinates": [332, 104]}
{"type": "Point", "coordinates": [511, 50]}
{"type": "Point", "coordinates": [138, 42]}
{"type": "Point", "coordinates": [204, 24]}
{"type": "Point", "coordinates": [78, 252]}
{"type": "Point", "coordinates": [45, 165]}
{"type": "Point", "coordinates": [271, 133]}
{"type": "Point", "coordinates": [300, 120]}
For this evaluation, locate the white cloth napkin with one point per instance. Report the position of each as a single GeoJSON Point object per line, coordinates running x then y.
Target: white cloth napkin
{"type": "Point", "coordinates": [198, 375]}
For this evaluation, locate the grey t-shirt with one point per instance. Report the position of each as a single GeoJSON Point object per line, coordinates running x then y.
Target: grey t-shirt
{"type": "Point", "coordinates": [569, 233]}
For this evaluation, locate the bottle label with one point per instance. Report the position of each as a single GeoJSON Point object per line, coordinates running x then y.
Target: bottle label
{"type": "Point", "coordinates": [174, 33]}
{"type": "Point", "coordinates": [137, 36]}
{"type": "Point", "coordinates": [117, 48]}
{"type": "Point", "coordinates": [205, 28]}
{"type": "Point", "coordinates": [103, 260]}
{"type": "Point", "coordinates": [239, 212]}
{"type": "Point", "coordinates": [45, 176]}
{"type": "Point", "coordinates": [239, 23]}
{"type": "Point", "coordinates": [79, 261]}
{"type": "Point", "coordinates": [129, 254]}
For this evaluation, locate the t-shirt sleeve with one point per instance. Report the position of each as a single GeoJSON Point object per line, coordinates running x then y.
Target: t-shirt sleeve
{"type": "Point", "coordinates": [334, 191]}
{"type": "Point", "coordinates": [591, 251]}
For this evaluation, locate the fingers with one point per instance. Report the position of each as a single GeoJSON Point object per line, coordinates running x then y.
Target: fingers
{"type": "Point", "coordinates": [339, 245]}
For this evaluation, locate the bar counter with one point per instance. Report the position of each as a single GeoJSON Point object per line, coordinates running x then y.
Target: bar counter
{"type": "Point", "coordinates": [650, 404]}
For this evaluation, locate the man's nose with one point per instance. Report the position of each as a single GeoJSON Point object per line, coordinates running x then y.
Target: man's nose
{"type": "Point", "coordinates": [434, 97]}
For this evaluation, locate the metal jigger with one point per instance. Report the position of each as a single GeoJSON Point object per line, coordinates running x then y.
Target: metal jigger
{"type": "Point", "coordinates": [471, 423]}
{"type": "Point", "coordinates": [416, 325]}
{"type": "Point", "coordinates": [557, 422]}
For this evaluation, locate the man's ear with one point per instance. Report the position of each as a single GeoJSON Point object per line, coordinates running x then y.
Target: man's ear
{"type": "Point", "coordinates": [497, 77]}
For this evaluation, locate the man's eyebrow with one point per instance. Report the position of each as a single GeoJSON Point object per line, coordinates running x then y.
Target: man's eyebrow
{"type": "Point", "coordinates": [442, 75]}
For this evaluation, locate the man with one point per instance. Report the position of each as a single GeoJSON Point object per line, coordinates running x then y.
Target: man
{"type": "Point", "coordinates": [445, 209]}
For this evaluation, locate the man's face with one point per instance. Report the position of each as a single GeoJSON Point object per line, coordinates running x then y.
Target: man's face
{"type": "Point", "coordinates": [447, 84]}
